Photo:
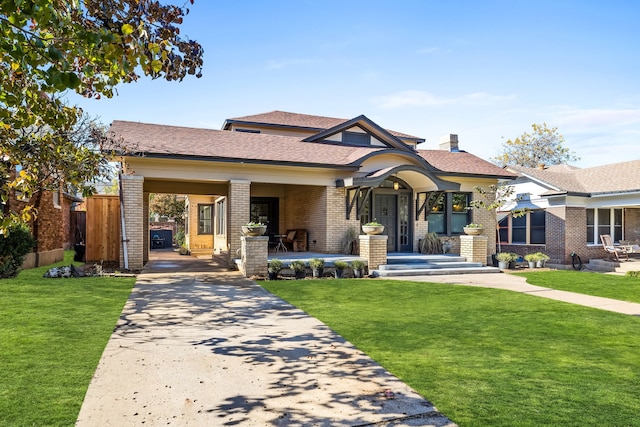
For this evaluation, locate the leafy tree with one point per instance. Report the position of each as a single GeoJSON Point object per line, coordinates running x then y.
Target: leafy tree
{"type": "Point", "coordinates": [168, 205]}
{"type": "Point", "coordinates": [544, 146]}
{"type": "Point", "coordinates": [90, 46]}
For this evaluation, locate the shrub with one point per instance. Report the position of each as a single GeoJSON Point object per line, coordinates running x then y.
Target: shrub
{"type": "Point", "coordinates": [506, 257]}
{"type": "Point", "coordinates": [340, 265]}
{"type": "Point", "coordinates": [275, 265]}
{"type": "Point", "coordinates": [316, 263]}
{"type": "Point", "coordinates": [14, 247]}
{"type": "Point", "coordinates": [357, 264]}
{"type": "Point", "coordinates": [297, 265]}
{"type": "Point", "coordinates": [632, 274]}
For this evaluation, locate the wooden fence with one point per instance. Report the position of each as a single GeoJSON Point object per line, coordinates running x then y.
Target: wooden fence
{"type": "Point", "coordinates": [103, 228]}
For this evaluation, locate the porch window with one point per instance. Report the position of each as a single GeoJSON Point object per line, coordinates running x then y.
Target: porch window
{"type": "Point", "coordinates": [529, 229]}
{"type": "Point", "coordinates": [205, 217]}
{"type": "Point", "coordinates": [221, 216]}
{"type": "Point", "coordinates": [604, 221]}
{"type": "Point", "coordinates": [450, 213]}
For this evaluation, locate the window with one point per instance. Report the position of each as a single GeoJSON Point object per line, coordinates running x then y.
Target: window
{"type": "Point", "coordinates": [604, 221]}
{"type": "Point", "coordinates": [356, 138]}
{"type": "Point", "coordinates": [529, 229]}
{"type": "Point", "coordinates": [450, 213]}
{"type": "Point", "coordinates": [205, 217]}
{"type": "Point", "coordinates": [248, 130]}
{"type": "Point", "coordinates": [221, 216]}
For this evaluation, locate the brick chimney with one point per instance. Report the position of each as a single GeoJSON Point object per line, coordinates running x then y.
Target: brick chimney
{"type": "Point", "coordinates": [449, 143]}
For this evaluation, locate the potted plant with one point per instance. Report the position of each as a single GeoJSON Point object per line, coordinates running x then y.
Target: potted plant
{"type": "Point", "coordinates": [317, 266]}
{"type": "Point", "coordinates": [473, 229]}
{"type": "Point", "coordinates": [339, 266]}
{"type": "Point", "coordinates": [372, 228]}
{"type": "Point", "coordinates": [358, 267]}
{"type": "Point", "coordinates": [532, 259]}
{"type": "Point", "coordinates": [254, 229]}
{"type": "Point", "coordinates": [275, 265]}
{"type": "Point", "coordinates": [505, 259]}
{"type": "Point", "coordinates": [299, 268]}
{"type": "Point", "coordinates": [542, 259]}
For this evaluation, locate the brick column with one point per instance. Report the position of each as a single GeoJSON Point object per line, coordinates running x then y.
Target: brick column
{"type": "Point", "coordinates": [421, 229]}
{"type": "Point", "coordinates": [254, 255]}
{"type": "Point", "coordinates": [133, 206]}
{"type": "Point", "coordinates": [373, 248]}
{"type": "Point", "coordinates": [239, 203]}
{"type": "Point", "coordinates": [474, 248]}
{"type": "Point", "coordinates": [145, 210]}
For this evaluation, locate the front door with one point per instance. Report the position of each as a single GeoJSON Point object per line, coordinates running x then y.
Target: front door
{"type": "Point", "coordinates": [392, 211]}
{"type": "Point", "coordinates": [265, 210]}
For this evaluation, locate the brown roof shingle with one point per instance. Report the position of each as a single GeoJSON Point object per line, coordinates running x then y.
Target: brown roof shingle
{"type": "Point", "coordinates": [304, 121]}
{"type": "Point", "coordinates": [461, 162]}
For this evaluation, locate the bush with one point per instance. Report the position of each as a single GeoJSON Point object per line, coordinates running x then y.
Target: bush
{"type": "Point", "coordinates": [275, 265]}
{"type": "Point", "coordinates": [316, 263]}
{"type": "Point", "coordinates": [340, 265]}
{"type": "Point", "coordinates": [298, 265]}
{"type": "Point", "coordinates": [14, 247]}
{"type": "Point", "coordinates": [357, 264]}
{"type": "Point", "coordinates": [632, 274]}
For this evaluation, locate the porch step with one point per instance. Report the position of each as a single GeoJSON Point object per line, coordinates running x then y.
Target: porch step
{"type": "Point", "coordinates": [430, 265]}
{"type": "Point", "coordinates": [604, 265]}
{"type": "Point", "coordinates": [430, 269]}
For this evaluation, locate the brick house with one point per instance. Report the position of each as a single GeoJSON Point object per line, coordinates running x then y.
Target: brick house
{"type": "Point", "coordinates": [54, 222]}
{"type": "Point", "coordinates": [296, 171]}
{"type": "Point", "coordinates": [569, 208]}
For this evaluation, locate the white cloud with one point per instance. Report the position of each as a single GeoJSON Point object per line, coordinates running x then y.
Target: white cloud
{"type": "Point", "coordinates": [598, 117]}
{"type": "Point", "coordinates": [417, 98]}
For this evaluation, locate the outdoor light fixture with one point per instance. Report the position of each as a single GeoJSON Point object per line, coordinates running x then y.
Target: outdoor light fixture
{"type": "Point", "coordinates": [396, 185]}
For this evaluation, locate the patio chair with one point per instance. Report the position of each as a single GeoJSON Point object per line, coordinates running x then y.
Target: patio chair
{"type": "Point", "coordinates": [611, 250]}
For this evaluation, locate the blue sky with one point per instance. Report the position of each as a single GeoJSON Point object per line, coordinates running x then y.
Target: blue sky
{"type": "Point", "coordinates": [485, 70]}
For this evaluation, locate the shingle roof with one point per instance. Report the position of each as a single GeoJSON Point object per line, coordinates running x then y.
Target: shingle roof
{"type": "Point", "coordinates": [285, 118]}
{"type": "Point", "coordinates": [461, 162]}
{"type": "Point", "coordinates": [153, 139]}
{"type": "Point", "coordinates": [612, 178]}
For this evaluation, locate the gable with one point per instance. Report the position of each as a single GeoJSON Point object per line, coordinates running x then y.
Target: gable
{"type": "Point", "coordinates": [355, 135]}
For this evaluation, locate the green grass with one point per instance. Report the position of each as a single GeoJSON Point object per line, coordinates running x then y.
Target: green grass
{"type": "Point", "coordinates": [52, 334]}
{"type": "Point", "coordinates": [487, 357]}
{"type": "Point", "coordinates": [597, 284]}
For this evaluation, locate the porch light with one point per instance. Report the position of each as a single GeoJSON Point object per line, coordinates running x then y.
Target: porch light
{"type": "Point", "coordinates": [396, 185]}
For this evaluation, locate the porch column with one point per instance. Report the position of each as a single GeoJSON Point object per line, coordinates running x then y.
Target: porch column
{"type": "Point", "coordinates": [474, 248]}
{"type": "Point", "coordinates": [254, 259]}
{"type": "Point", "coordinates": [238, 206]}
{"type": "Point", "coordinates": [133, 207]}
{"type": "Point", "coordinates": [373, 248]}
{"type": "Point", "coordinates": [145, 207]}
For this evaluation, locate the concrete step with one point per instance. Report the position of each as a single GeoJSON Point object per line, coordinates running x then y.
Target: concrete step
{"type": "Point", "coordinates": [432, 271]}
{"type": "Point", "coordinates": [430, 265]}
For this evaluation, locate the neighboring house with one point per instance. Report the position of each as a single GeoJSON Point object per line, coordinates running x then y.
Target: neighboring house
{"type": "Point", "coordinates": [568, 208]}
{"type": "Point", "coordinates": [54, 222]}
{"type": "Point", "coordinates": [294, 171]}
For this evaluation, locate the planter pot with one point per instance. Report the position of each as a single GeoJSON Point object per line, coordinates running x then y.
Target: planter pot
{"type": "Point", "coordinates": [248, 230]}
{"type": "Point", "coordinates": [503, 265]}
{"type": "Point", "coordinates": [338, 273]}
{"type": "Point", "coordinates": [473, 231]}
{"type": "Point", "coordinates": [512, 265]}
{"type": "Point", "coordinates": [300, 275]}
{"type": "Point", "coordinates": [273, 276]}
{"type": "Point", "coordinates": [373, 229]}
{"type": "Point", "coordinates": [532, 264]}
{"type": "Point", "coordinates": [540, 264]}
{"type": "Point", "coordinates": [357, 273]}
{"type": "Point", "coordinates": [317, 272]}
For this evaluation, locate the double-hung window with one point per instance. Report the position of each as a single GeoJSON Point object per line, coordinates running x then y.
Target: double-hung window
{"type": "Point", "coordinates": [604, 221]}
{"type": "Point", "coordinates": [205, 219]}
{"type": "Point", "coordinates": [528, 229]}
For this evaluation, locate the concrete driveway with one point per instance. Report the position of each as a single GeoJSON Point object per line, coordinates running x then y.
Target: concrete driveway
{"type": "Point", "coordinates": [199, 346]}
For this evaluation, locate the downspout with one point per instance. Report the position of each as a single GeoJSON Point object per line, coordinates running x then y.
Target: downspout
{"type": "Point", "coordinates": [125, 249]}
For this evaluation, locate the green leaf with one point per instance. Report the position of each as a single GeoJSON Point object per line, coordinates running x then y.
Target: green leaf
{"type": "Point", "coordinates": [127, 29]}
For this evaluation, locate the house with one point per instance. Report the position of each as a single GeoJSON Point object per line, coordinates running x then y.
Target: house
{"type": "Point", "coordinates": [291, 171]}
{"type": "Point", "coordinates": [568, 208]}
{"type": "Point", "coordinates": [53, 231]}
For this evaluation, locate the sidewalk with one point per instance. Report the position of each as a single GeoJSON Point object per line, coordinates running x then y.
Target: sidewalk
{"type": "Point", "coordinates": [519, 284]}
{"type": "Point", "coordinates": [200, 347]}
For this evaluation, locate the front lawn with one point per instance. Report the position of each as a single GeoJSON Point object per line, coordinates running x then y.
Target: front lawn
{"type": "Point", "coordinates": [52, 334]}
{"type": "Point", "coordinates": [598, 284]}
{"type": "Point", "coordinates": [487, 357]}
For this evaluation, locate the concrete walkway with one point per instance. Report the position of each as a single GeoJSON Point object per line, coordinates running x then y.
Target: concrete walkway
{"type": "Point", "coordinates": [519, 284]}
{"type": "Point", "coordinates": [199, 346]}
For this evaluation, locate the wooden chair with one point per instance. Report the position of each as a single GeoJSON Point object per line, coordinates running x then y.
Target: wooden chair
{"type": "Point", "coordinates": [611, 250]}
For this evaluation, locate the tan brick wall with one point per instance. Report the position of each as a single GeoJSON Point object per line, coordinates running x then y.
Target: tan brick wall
{"type": "Point", "coordinates": [254, 251]}
{"type": "Point", "coordinates": [306, 207]}
{"type": "Point", "coordinates": [337, 222]}
{"type": "Point", "coordinates": [632, 224]}
{"type": "Point", "coordinates": [145, 207]}
{"type": "Point", "coordinates": [238, 207]}
{"type": "Point", "coordinates": [474, 248]}
{"type": "Point", "coordinates": [374, 250]}
{"type": "Point", "coordinates": [135, 219]}
{"type": "Point", "coordinates": [421, 228]}
{"type": "Point", "coordinates": [488, 220]}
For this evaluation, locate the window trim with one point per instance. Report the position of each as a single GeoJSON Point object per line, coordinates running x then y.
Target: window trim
{"type": "Point", "coordinates": [448, 213]}
{"type": "Point", "coordinates": [527, 227]}
{"type": "Point", "coordinates": [593, 238]}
